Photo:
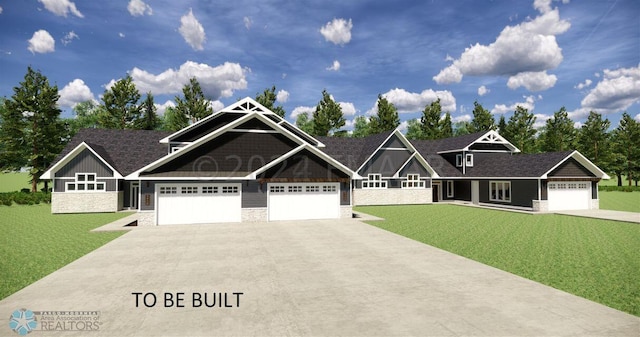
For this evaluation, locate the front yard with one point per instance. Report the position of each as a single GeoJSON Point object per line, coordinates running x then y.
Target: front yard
{"type": "Point", "coordinates": [35, 243]}
{"type": "Point", "coordinates": [595, 259]}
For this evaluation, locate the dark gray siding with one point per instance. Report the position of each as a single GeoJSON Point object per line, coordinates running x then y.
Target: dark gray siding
{"type": "Point", "coordinates": [59, 184]}
{"type": "Point", "coordinates": [571, 168]}
{"type": "Point", "coordinates": [126, 188]}
{"type": "Point", "coordinates": [594, 190]}
{"type": "Point", "coordinates": [462, 190]}
{"type": "Point", "coordinates": [207, 127]}
{"type": "Point", "coordinates": [543, 190]}
{"type": "Point", "coordinates": [386, 162]}
{"type": "Point", "coordinates": [254, 194]}
{"type": "Point", "coordinates": [394, 183]}
{"type": "Point", "coordinates": [523, 192]}
{"type": "Point", "coordinates": [451, 158]}
{"type": "Point", "coordinates": [147, 195]}
{"type": "Point", "coordinates": [85, 162]}
{"type": "Point", "coordinates": [345, 194]}
{"type": "Point", "coordinates": [304, 166]}
{"type": "Point", "coordinates": [394, 142]}
{"type": "Point", "coordinates": [490, 147]}
{"type": "Point", "coordinates": [414, 167]}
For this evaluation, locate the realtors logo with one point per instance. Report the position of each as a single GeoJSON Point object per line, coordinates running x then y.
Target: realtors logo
{"type": "Point", "coordinates": [23, 321]}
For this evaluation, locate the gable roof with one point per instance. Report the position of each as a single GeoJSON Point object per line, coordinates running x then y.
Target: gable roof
{"type": "Point", "coordinates": [353, 152]}
{"type": "Point", "coordinates": [124, 150]}
{"type": "Point", "coordinates": [462, 143]}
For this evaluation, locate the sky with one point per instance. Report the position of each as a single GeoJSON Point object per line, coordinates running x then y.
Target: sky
{"type": "Point", "coordinates": [542, 54]}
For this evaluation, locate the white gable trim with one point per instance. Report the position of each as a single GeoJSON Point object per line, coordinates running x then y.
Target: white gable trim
{"type": "Point", "coordinates": [584, 161]}
{"type": "Point", "coordinates": [50, 173]}
{"type": "Point", "coordinates": [490, 137]}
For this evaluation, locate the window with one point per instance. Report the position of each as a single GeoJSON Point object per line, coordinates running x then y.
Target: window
{"type": "Point", "coordinates": [449, 188]}
{"type": "Point", "coordinates": [229, 189]}
{"type": "Point", "coordinates": [329, 188]}
{"type": "Point", "coordinates": [168, 190]}
{"type": "Point", "coordinates": [374, 180]}
{"type": "Point", "coordinates": [209, 189]}
{"type": "Point", "coordinates": [189, 190]}
{"type": "Point", "coordinates": [311, 189]}
{"type": "Point", "coordinates": [276, 189]}
{"type": "Point", "coordinates": [500, 191]}
{"type": "Point", "coordinates": [458, 160]}
{"type": "Point", "coordinates": [86, 182]}
{"type": "Point", "coordinates": [469, 160]}
{"type": "Point", "coordinates": [294, 189]}
{"type": "Point", "coordinates": [413, 181]}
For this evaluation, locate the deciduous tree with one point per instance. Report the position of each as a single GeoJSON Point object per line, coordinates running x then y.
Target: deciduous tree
{"type": "Point", "coordinates": [121, 110]}
{"type": "Point", "coordinates": [361, 127]}
{"type": "Point", "coordinates": [174, 119]}
{"type": "Point", "coordinates": [304, 123]}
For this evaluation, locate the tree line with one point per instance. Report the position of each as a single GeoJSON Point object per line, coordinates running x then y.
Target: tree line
{"type": "Point", "coordinates": [32, 132]}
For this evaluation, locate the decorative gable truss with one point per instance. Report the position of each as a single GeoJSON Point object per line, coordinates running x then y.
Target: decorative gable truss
{"type": "Point", "coordinates": [490, 141]}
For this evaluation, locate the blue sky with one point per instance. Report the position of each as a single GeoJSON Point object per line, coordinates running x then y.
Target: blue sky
{"type": "Point", "coordinates": [542, 54]}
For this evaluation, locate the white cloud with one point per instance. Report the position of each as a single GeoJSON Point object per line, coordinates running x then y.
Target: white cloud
{"type": "Point", "coordinates": [42, 42]}
{"type": "Point", "coordinates": [110, 84]}
{"type": "Point", "coordinates": [637, 118]}
{"type": "Point", "coordinates": [121, 34]}
{"type": "Point", "coordinates": [541, 120]}
{"type": "Point", "coordinates": [0, 9]}
{"type": "Point", "coordinates": [61, 7]}
{"type": "Point", "coordinates": [216, 105]}
{"type": "Point", "coordinates": [533, 81]}
{"type": "Point", "coordinates": [139, 8]}
{"type": "Point", "coordinates": [529, 104]}
{"type": "Point", "coordinates": [75, 92]}
{"type": "Point", "coordinates": [407, 102]}
{"type": "Point", "coordinates": [337, 31]}
{"type": "Point", "coordinates": [335, 66]}
{"type": "Point", "coordinates": [617, 91]}
{"type": "Point", "coordinates": [348, 109]}
{"type": "Point", "coordinates": [543, 6]}
{"type": "Point", "coordinates": [577, 125]}
{"type": "Point", "coordinates": [247, 22]}
{"type": "Point", "coordinates": [483, 90]}
{"type": "Point", "coordinates": [302, 110]}
{"type": "Point", "coordinates": [162, 108]}
{"type": "Point", "coordinates": [584, 84]}
{"type": "Point", "coordinates": [216, 82]}
{"type": "Point", "coordinates": [528, 47]}
{"type": "Point", "coordinates": [69, 37]}
{"type": "Point", "coordinates": [463, 118]}
{"type": "Point", "coordinates": [404, 125]}
{"type": "Point", "coordinates": [192, 31]}
{"type": "Point", "coordinates": [282, 96]}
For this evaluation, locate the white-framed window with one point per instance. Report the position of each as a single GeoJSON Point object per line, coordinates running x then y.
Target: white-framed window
{"type": "Point", "coordinates": [329, 188]}
{"type": "Point", "coordinates": [500, 191]}
{"type": "Point", "coordinates": [374, 180]}
{"type": "Point", "coordinates": [449, 188]}
{"type": "Point", "coordinates": [458, 160]}
{"type": "Point", "coordinates": [469, 159]}
{"type": "Point", "coordinates": [85, 182]}
{"type": "Point", "coordinates": [229, 189]}
{"type": "Point", "coordinates": [413, 181]}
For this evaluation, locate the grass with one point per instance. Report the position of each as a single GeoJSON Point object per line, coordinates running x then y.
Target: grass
{"type": "Point", "coordinates": [35, 243]}
{"type": "Point", "coordinates": [595, 259]}
{"type": "Point", "coordinates": [15, 181]}
{"type": "Point", "coordinates": [620, 201]}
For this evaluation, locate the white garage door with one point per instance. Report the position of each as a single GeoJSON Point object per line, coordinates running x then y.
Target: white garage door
{"type": "Point", "coordinates": [569, 195]}
{"type": "Point", "coordinates": [198, 203]}
{"type": "Point", "coordinates": [299, 201]}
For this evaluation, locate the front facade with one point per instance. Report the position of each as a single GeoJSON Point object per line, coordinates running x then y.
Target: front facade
{"type": "Point", "coordinates": [245, 163]}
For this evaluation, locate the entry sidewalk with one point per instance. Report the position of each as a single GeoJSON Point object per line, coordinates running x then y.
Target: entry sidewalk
{"type": "Point", "coordinates": [605, 214]}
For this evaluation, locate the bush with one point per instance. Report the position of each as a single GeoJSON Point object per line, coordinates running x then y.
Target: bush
{"type": "Point", "coordinates": [619, 188]}
{"type": "Point", "coordinates": [24, 198]}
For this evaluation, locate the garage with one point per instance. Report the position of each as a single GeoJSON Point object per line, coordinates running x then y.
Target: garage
{"type": "Point", "coordinates": [198, 203]}
{"type": "Point", "coordinates": [569, 195]}
{"type": "Point", "coordinates": [296, 201]}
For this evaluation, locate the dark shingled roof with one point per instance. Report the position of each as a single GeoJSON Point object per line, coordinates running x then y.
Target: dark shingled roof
{"type": "Point", "coordinates": [515, 165]}
{"type": "Point", "coordinates": [125, 150]}
{"type": "Point", "coordinates": [446, 144]}
{"type": "Point", "coordinates": [352, 152]}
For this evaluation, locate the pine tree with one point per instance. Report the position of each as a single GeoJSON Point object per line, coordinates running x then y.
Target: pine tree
{"type": "Point", "coordinates": [626, 143]}
{"type": "Point", "coordinates": [361, 127]}
{"type": "Point", "coordinates": [519, 130]}
{"type": "Point", "coordinates": [594, 141]}
{"type": "Point", "coordinates": [502, 126]}
{"type": "Point", "coordinates": [482, 119]}
{"type": "Point", "coordinates": [327, 116]}
{"type": "Point", "coordinates": [121, 110]}
{"type": "Point", "coordinates": [149, 120]}
{"type": "Point", "coordinates": [194, 105]}
{"type": "Point", "coordinates": [32, 127]}
{"type": "Point", "coordinates": [268, 99]}
{"type": "Point", "coordinates": [446, 128]}
{"type": "Point", "coordinates": [387, 118]}
{"type": "Point", "coordinates": [430, 120]}
{"type": "Point", "coordinates": [559, 133]}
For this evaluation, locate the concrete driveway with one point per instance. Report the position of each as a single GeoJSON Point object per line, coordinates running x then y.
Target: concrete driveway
{"type": "Point", "coordinates": [298, 278]}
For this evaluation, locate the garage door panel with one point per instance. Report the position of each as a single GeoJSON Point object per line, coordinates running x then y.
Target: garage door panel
{"type": "Point", "coordinates": [304, 201]}
{"type": "Point", "coordinates": [569, 195]}
{"type": "Point", "coordinates": [198, 203]}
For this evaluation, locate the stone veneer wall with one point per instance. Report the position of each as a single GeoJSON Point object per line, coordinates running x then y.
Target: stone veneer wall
{"type": "Point", "coordinates": [392, 196]}
{"type": "Point", "coordinates": [540, 205]}
{"type": "Point", "coordinates": [84, 202]}
{"type": "Point", "coordinates": [346, 212]}
{"type": "Point", "coordinates": [595, 204]}
{"type": "Point", "coordinates": [147, 218]}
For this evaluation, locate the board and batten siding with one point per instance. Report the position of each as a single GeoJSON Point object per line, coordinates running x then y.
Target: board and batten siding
{"type": "Point", "coordinates": [84, 162]}
{"type": "Point", "coordinates": [571, 168]}
{"type": "Point", "coordinates": [523, 192]}
{"type": "Point", "coordinates": [386, 162]}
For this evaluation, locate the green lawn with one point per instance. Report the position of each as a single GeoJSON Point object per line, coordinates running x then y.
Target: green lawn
{"type": "Point", "coordinates": [620, 201]}
{"type": "Point", "coordinates": [15, 181]}
{"type": "Point", "coordinates": [595, 259]}
{"type": "Point", "coordinates": [35, 243]}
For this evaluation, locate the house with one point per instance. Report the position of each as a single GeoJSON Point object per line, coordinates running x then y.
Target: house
{"type": "Point", "coordinates": [245, 163]}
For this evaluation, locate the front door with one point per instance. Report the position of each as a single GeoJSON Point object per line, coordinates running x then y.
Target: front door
{"type": "Point", "coordinates": [134, 195]}
{"type": "Point", "coordinates": [475, 192]}
{"type": "Point", "coordinates": [435, 190]}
